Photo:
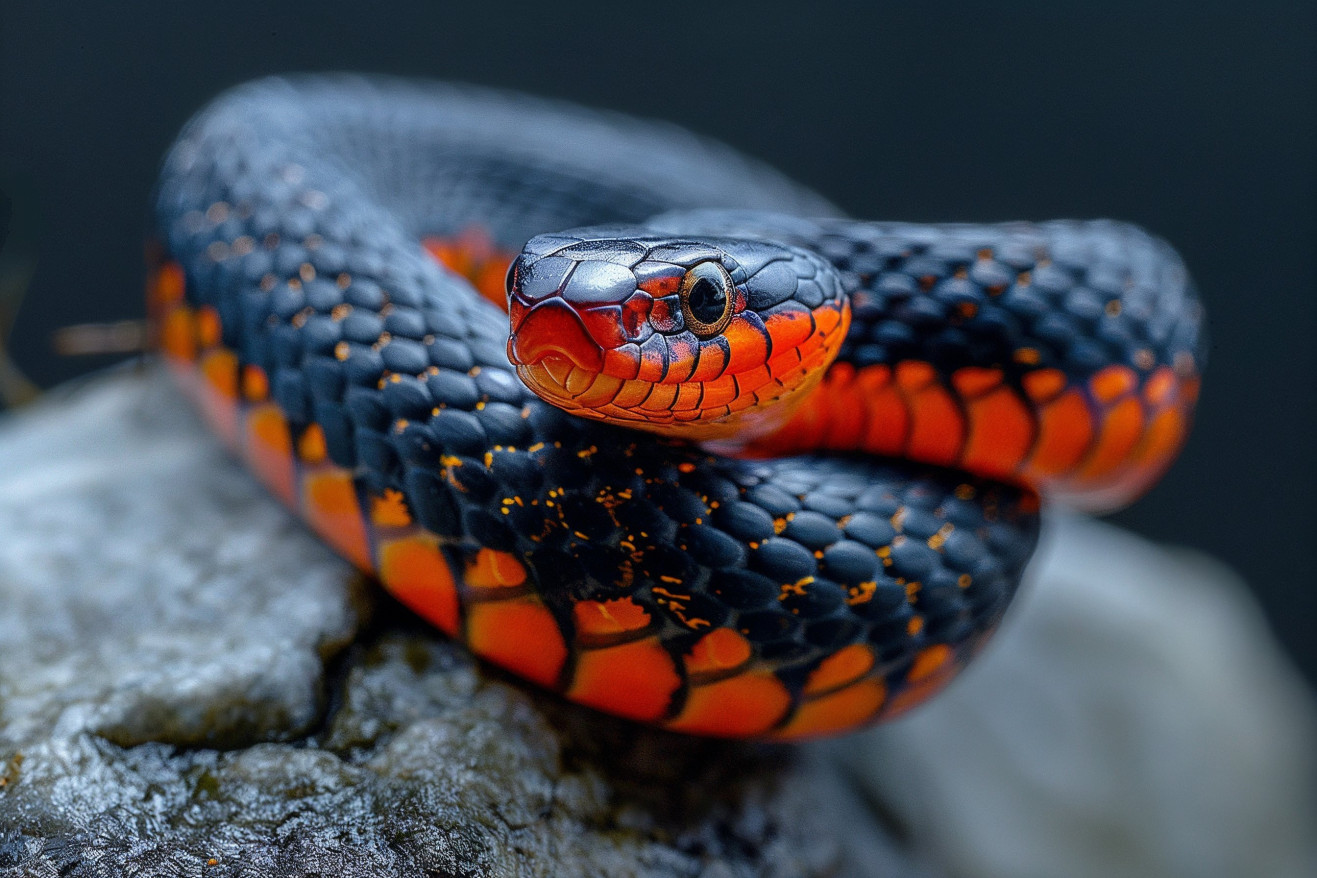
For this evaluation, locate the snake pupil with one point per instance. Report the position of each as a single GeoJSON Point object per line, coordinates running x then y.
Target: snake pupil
{"type": "Point", "coordinates": [707, 301]}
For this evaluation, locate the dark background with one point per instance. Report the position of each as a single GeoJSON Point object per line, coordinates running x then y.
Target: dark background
{"type": "Point", "coordinates": [1192, 119]}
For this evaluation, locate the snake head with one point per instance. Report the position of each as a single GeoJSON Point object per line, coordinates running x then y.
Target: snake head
{"type": "Point", "coordinates": [703, 339]}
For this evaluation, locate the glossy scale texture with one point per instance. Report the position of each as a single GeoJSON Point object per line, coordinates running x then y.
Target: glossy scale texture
{"type": "Point", "coordinates": [299, 298]}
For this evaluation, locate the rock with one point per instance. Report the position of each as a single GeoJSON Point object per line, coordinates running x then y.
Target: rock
{"type": "Point", "coordinates": [191, 684]}
{"type": "Point", "coordinates": [1133, 717]}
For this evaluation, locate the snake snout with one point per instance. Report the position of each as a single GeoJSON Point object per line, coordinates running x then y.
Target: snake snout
{"type": "Point", "coordinates": [551, 329]}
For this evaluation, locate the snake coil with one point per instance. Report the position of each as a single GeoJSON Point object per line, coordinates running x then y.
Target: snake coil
{"type": "Point", "coordinates": [324, 241]}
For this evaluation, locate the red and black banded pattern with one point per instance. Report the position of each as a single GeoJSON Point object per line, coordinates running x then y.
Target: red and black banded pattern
{"type": "Point", "coordinates": [369, 387]}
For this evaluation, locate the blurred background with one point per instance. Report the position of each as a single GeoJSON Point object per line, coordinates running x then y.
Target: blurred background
{"type": "Point", "coordinates": [1195, 120]}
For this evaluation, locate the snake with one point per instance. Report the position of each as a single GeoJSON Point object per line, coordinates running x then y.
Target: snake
{"type": "Point", "coordinates": [635, 417]}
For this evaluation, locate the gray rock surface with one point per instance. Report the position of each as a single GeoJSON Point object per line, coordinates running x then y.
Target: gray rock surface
{"type": "Point", "coordinates": [191, 684]}
{"type": "Point", "coordinates": [1132, 718]}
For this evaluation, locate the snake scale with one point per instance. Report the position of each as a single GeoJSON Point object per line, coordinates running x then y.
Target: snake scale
{"type": "Point", "coordinates": [846, 427]}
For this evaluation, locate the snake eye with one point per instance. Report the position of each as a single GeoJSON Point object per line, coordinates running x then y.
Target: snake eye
{"type": "Point", "coordinates": [706, 299]}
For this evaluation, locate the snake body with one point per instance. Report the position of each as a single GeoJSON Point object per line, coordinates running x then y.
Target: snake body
{"type": "Point", "coordinates": [299, 299]}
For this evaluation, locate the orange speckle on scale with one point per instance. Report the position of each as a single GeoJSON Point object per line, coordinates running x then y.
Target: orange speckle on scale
{"type": "Point", "coordinates": [736, 707]}
{"type": "Point", "coordinates": [329, 504]}
{"type": "Point", "coordinates": [268, 449]}
{"type": "Point", "coordinates": [841, 710]}
{"type": "Point", "coordinates": [311, 445]}
{"type": "Point", "coordinates": [842, 667]}
{"type": "Point", "coordinates": [414, 570]}
{"type": "Point", "coordinates": [518, 634]}
{"type": "Point", "coordinates": [635, 680]}
{"type": "Point", "coordinates": [492, 569]}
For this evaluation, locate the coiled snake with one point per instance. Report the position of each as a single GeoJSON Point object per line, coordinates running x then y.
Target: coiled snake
{"type": "Point", "coordinates": [843, 424]}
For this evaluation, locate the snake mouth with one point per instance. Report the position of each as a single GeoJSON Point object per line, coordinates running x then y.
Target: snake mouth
{"type": "Point", "coordinates": [551, 331]}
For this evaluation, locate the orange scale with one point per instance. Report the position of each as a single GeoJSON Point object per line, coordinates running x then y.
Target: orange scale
{"type": "Point", "coordinates": [209, 330]}
{"type": "Point", "coordinates": [689, 397]}
{"type": "Point", "coordinates": [719, 651]}
{"type": "Point", "coordinates": [219, 393]}
{"type": "Point", "coordinates": [974, 381]}
{"type": "Point", "coordinates": [830, 317]}
{"type": "Point", "coordinates": [937, 427]}
{"type": "Point", "coordinates": [839, 711]}
{"type": "Point", "coordinates": [178, 335]}
{"type": "Point", "coordinates": [847, 426]}
{"type": "Point", "coordinates": [1065, 431]}
{"type": "Point", "coordinates": [1160, 387]}
{"type": "Point", "coordinates": [737, 707]}
{"type": "Point", "coordinates": [623, 363]}
{"type": "Point", "coordinates": [789, 327]}
{"type": "Point", "coordinates": [749, 381]}
{"type": "Point", "coordinates": [748, 344]}
{"type": "Point", "coordinates": [390, 510]}
{"type": "Point", "coordinates": [414, 570]}
{"type": "Point", "coordinates": [815, 358]}
{"type": "Point", "coordinates": [489, 568]}
{"type": "Point", "coordinates": [632, 394]}
{"type": "Point", "coordinates": [329, 505]}
{"type": "Point", "coordinates": [1160, 443]}
{"type": "Point", "coordinates": [661, 398]}
{"type": "Point", "coordinates": [635, 680]}
{"type": "Point", "coordinates": [783, 362]}
{"type": "Point", "coordinates": [888, 423]}
{"type": "Point", "coordinates": [1113, 382]}
{"type": "Point", "coordinates": [1121, 429]}
{"type": "Point", "coordinates": [844, 666]}
{"type": "Point", "coordinates": [933, 669]}
{"type": "Point", "coordinates": [255, 384]}
{"type": "Point", "coordinates": [683, 358]}
{"type": "Point", "coordinates": [712, 362]}
{"type": "Point", "coordinates": [311, 446]}
{"type": "Point", "coordinates": [914, 375]}
{"type": "Point", "coordinates": [595, 619]}
{"type": "Point", "coordinates": [653, 365]}
{"type": "Point", "coordinates": [720, 392]}
{"type": "Point", "coordinates": [1001, 432]}
{"type": "Point", "coordinates": [602, 391]}
{"type": "Point", "coordinates": [519, 634]}
{"type": "Point", "coordinates": [168, 285]}
{"type": "Point", "coordinates": [1044, 385]}
{"type": "Point", "coordinates": [268, 449]}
